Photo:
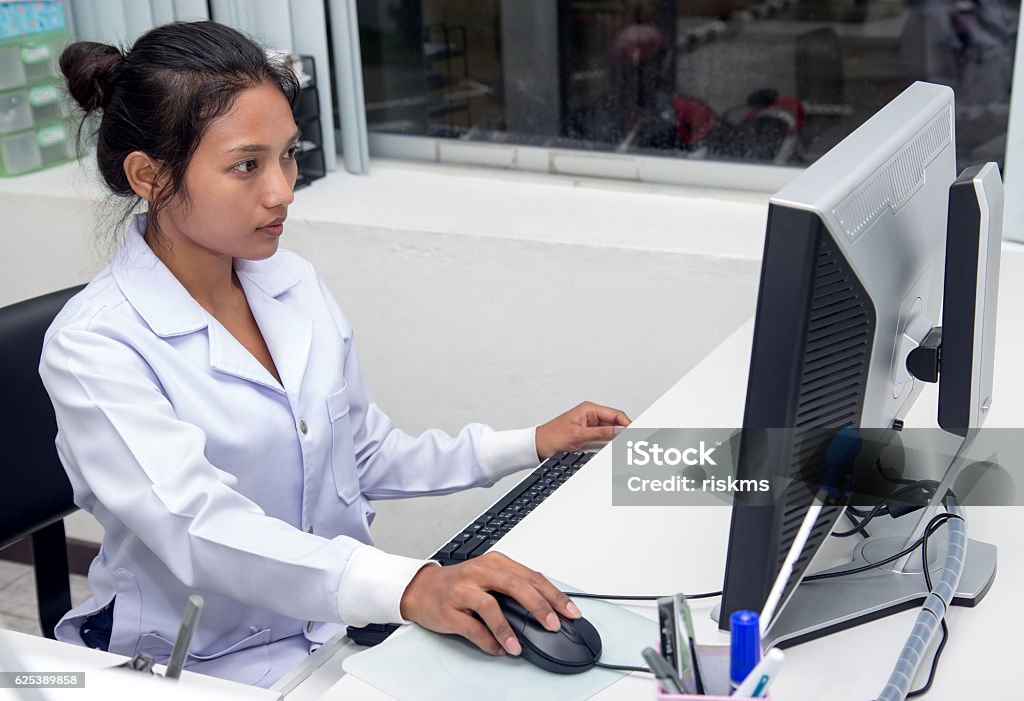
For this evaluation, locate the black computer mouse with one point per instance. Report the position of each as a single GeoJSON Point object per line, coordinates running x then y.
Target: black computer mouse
{"type": "Point", "coordinates": [573, 649]}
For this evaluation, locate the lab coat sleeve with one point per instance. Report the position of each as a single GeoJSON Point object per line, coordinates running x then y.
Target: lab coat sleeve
{"type": "Point", "coordinates": [392, 463]}
{"type": "Point", "coordinates": [128, 455]}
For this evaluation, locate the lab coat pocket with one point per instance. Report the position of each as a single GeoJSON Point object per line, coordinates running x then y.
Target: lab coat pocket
{"type": "Point", "coordinates": [219, 660]}
{"type": "Point", "coordinates": [343, 453]}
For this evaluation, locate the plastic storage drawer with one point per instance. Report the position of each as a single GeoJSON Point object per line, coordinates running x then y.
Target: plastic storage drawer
{"type": "Point", "coordinates": [27, 107]}
{"type": "Point", "coordinates": [29, 62]}
{"type": "Point", "coordinates": [23, 152]}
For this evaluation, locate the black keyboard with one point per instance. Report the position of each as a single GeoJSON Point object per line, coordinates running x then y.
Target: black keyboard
{"type": "Point", "coordinates": [479, 536]}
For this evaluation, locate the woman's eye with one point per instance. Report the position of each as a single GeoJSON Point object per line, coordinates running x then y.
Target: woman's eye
{"type": "Point", "coordinates": [290, 153]}
{"type": "Point", "coordinates": [246, 166]}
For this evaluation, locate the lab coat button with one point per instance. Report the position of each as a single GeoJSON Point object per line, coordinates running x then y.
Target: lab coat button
{"type": "Point", "coordinates": [303, 427]}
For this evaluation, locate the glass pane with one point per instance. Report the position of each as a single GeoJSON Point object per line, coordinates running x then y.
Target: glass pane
{"type": "Point", "coordinates": [776, 81]}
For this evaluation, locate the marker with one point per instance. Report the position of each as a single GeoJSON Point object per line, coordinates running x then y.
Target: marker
{"type": "Point", "coordinates": [757, 682]}
{"type": "Point", "coordinates": [745, 652]}
{"type": "Point", "coordinates": [661, 669]}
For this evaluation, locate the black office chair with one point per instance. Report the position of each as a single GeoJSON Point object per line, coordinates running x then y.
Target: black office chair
{"type": "Point", "coordinates": [35, 493]}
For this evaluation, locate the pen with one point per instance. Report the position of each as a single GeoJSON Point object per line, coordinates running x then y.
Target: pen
{"type": "Point", "coordinates": [757, 682]}
{"type": "Point", "coordinates": [661, 669]}
{"type": "Point", "coordinates": [193, 607]}
{"type": "Point", "coordinates": [746, 645]}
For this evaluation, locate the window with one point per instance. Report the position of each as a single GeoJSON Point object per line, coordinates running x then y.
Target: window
{"type": "Point", "coordinates": [775, 82]}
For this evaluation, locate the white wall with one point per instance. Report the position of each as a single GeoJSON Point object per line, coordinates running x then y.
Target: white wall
{"type": "Point", "coordinates": [475, 295]}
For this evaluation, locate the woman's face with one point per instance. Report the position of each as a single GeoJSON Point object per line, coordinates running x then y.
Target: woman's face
{"type": "Point", "coordinates": [239, 181]}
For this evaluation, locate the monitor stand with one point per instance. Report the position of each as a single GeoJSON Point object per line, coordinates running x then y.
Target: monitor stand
{"type": "Point", "coordinates": [818, 608]}
{"type": "Point", "coordinates": [827, 606]}
{"type": "Point", "coordinates": [821, 607]}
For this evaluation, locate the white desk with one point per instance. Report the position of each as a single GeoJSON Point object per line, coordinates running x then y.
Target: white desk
{"type": "Point", "coordinates": [614, 555]}
{"type": "Point", "coordinates": [102, 682]}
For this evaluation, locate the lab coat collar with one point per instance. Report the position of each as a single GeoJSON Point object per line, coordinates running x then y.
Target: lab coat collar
{"type": "Point", "coordinates": [267, 275]}
{"type": "Point", "coordinates": [161, 299]}
{"type": "Point", "coordinates": [292, 335]}
{"type": "Point", "coordinates": [152, 289]}
{"type": "Point", "coordinates": [170, 310]}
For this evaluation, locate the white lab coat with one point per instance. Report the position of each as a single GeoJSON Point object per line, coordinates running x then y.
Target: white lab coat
{"type": "Point", "coordinates": [210, 477]}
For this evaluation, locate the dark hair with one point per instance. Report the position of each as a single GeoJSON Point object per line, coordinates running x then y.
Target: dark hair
{"type": "Point", "coordinates": [160, 96]}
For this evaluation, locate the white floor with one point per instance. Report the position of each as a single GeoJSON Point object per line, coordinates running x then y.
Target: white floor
{"type": "Point", "coordinates": [18, 609]}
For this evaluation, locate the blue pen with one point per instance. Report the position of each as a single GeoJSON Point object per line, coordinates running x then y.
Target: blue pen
{"type": "Point", "coordinates": [745, 653]}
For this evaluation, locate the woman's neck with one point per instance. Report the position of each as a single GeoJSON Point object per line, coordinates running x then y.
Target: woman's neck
{"type": "Point", "coordinates": [208, 276]}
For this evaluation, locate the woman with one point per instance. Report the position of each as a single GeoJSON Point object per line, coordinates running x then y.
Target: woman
{"type": "Point", "coordinates": [211, 411]}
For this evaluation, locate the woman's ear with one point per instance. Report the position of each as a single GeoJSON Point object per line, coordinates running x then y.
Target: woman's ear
{"type": "Point", "coordinates": [143, 175]}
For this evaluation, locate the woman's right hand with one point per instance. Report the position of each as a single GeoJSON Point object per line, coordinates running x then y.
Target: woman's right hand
{"type": "Point", "coordinates": [444, 599]}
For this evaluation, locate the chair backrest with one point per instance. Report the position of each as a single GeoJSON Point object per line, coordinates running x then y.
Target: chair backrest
{"type": "Point", "coordinates": [34, 490]}
{"type": "Point", "coordinates": [35, 493]}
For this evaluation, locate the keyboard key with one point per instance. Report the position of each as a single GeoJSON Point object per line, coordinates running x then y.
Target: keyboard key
{"type": "Point", "coordinates": [481, 534]}
{"type": "Point", "coordinates": [469, 546]}
{"type": "Point", "coordinates": [450, 548]}
{"type": "Point", "coordinates": [516, 492]}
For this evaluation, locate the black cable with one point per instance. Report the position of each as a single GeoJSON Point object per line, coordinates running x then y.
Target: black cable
{"type": "Point", "coordinates": [623, 667]}
{"type": "Point", "coordinates": [631, 597]}
{"type": "Point", "coordinates": [945, 629]}
{"type": "Point", "coordinates": [858, 524]}
{"type": "Point", "coordinates": [939, 519]}
{"type": "Point", "coordinates": [935, 663]}
{"type": "Point", "coordinates": [936, 521]}
{"type": "Point", "coordinates": [876, 511]}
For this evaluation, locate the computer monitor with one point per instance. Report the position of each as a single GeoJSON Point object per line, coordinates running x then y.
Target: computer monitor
{"type": "Point", "coordinates": [851, 282]}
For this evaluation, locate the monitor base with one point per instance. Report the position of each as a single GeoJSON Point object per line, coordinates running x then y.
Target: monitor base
{"type": "Point", "coordinates": [826, 606]}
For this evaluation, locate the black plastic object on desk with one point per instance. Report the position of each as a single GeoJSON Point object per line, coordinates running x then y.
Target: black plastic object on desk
{"type": "Point", "coordinates": [480, 535]}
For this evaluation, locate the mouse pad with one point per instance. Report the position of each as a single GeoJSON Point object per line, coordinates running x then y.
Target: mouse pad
{"type": "Point", "coordinates": [419, 664]}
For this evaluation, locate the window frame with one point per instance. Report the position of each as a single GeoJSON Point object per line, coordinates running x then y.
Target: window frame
{"type": "Point", "coordinates": [624, 167]}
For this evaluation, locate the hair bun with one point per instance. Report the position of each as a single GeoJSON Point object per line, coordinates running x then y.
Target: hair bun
{"type": "Point", "coordinates": [90, 68]}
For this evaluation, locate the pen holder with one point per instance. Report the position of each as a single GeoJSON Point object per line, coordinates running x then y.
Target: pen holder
{"type": "Point", "coordinates": [714, 669]}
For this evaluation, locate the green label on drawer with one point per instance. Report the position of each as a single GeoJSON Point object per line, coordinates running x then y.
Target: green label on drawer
{"type": "Point", "coordinates": [50, 136]}
{"type": "Point", "coordinates": [43, 95]}
{"type": "Point", "coordinates": [35, 54]}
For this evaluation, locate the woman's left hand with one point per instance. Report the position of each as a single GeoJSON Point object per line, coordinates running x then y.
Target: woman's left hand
{"type": "Point", "coordinates": [581, 426]}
